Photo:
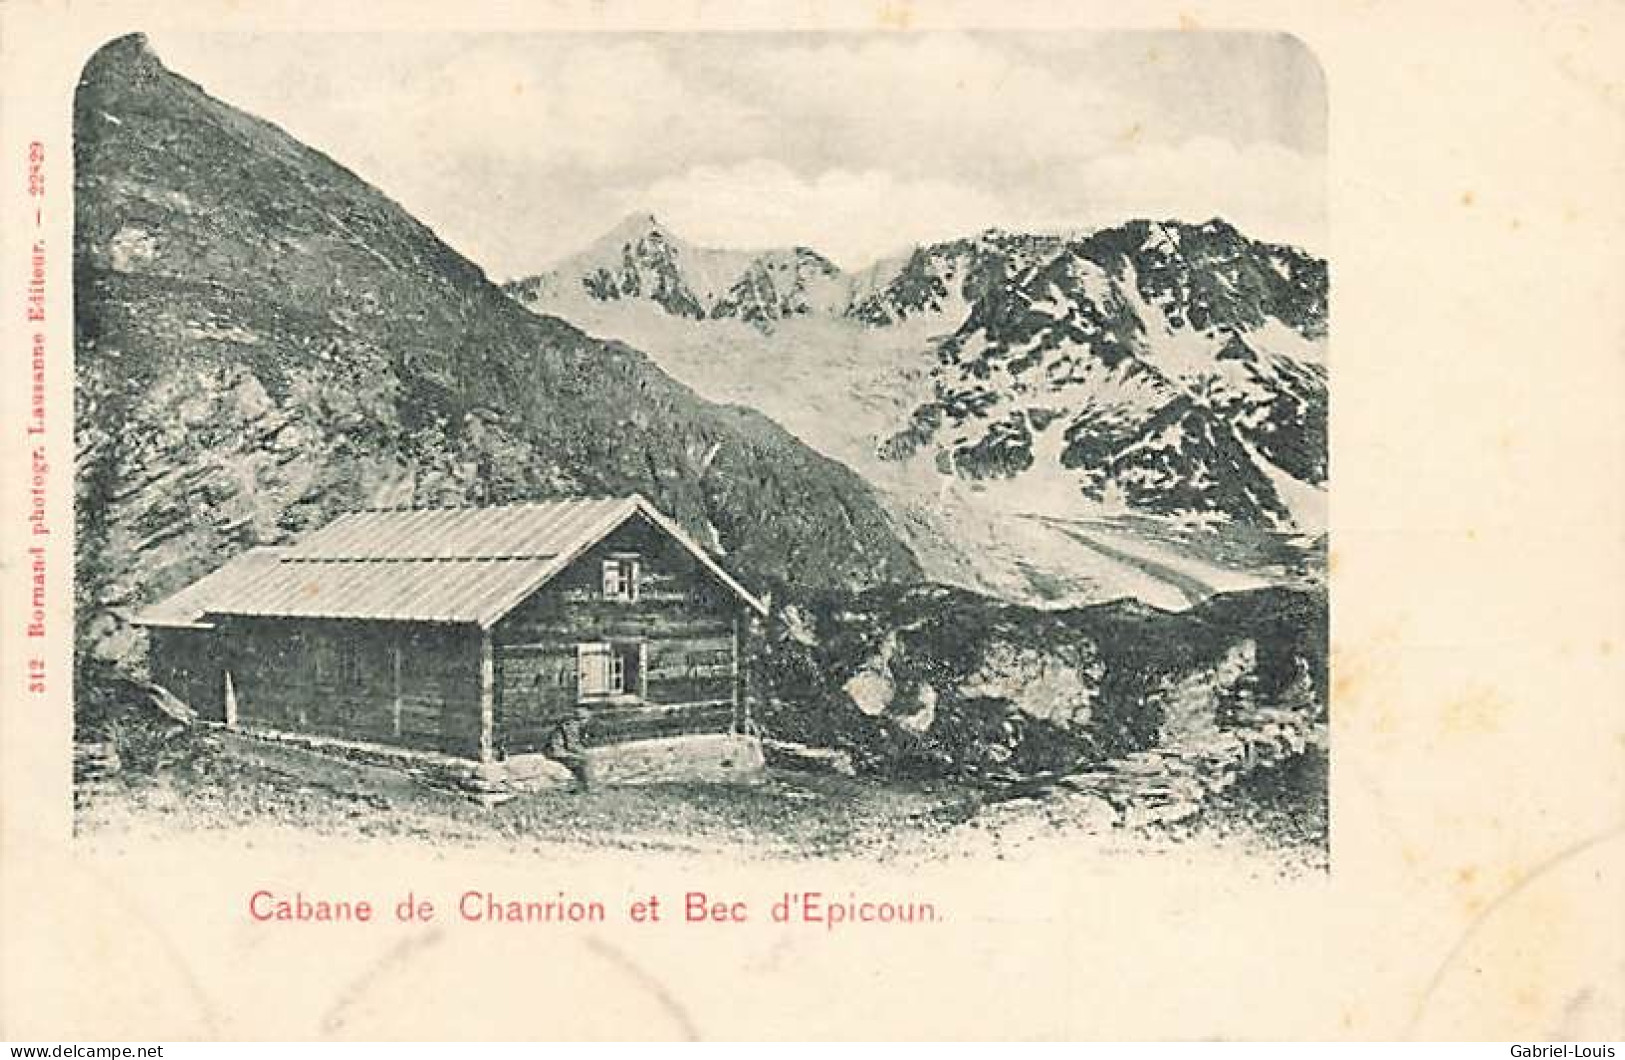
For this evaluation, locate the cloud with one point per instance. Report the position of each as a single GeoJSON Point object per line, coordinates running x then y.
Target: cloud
{"type": "Point", "coordinates": [602, 107]}
{"type": "Point", "coordinates": [932, 104]}
{"type": "Point", "coordinates": [857, 216]}
{"type": "Point", "coordinates": [520, 149]}
{"type": "Point", "coordinates": [854, 216]}
{"type": "Point", "coordinates": [1268, 191]}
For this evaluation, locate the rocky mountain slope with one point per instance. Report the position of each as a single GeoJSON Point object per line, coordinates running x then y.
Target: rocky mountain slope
{"type": "Point", "coordinates": [641, 260]}
{"type": "Point", "coordinates": [264, 340]}
{"type": "Point", "coordinates": [1162, 367]}
{"type": "Point", "coordinates": [943, 280]}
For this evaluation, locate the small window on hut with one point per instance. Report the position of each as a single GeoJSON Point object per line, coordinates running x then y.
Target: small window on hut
{"type": "Point", "coordinates": [621, 578]}
{"type": "Point", "coordinates": [609, 669]}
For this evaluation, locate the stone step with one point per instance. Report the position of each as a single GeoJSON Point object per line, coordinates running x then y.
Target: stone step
{"type": "Point", "coordinates": [712, 757]}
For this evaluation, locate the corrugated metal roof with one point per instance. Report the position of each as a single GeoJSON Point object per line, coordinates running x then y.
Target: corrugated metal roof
{"type": "Point", "coordinates": [434, 564]}
{"type": "Point", "coordinates": [187, 606]}
{"type": "Point", "coordinates": [424, 590]}
{"type": "Point", "coordinates": [515, 531]}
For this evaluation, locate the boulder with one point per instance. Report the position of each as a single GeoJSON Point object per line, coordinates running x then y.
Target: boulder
{"type": "Point", "coordinates": [788, 755]}
{"type": "Point", "coordinates": [534, 772]}
{"type": "Point", "coordinates": [919, 721]}
{"type": "Point", "coordinates": [872, 687]}
{"type": "Point", "coordinates": [671, 759]}
{"type": "Point", "coordinates": [1089, 813]}
{"type": "Point", "coordinates": [1039, 682]}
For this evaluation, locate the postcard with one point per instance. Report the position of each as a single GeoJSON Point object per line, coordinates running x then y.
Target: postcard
{"type": "Point", "coordinates": [868, 521]}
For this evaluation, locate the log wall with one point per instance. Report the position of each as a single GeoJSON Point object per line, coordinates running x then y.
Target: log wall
{"type": "Point", "coordinates": [409, 685]}
{"type": "Point", "coordinates": [187, 663]}
{"type": "Point", "coordinates": [685, 620]}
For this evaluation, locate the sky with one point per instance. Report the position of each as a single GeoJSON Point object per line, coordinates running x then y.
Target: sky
{"type": "Point", "coordinates": [521, 149]}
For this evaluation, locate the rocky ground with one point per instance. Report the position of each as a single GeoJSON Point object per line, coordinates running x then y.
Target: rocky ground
{"type": "Point", "coordinates": [934, 681]}
{"type": "Point", "coordinates": [155, 778]}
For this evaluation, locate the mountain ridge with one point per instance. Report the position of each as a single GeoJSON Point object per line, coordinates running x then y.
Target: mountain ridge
{"type": "Point", "coordinates": [641, 257]}
{"type": "Point", "coordinates": [1093, 355]}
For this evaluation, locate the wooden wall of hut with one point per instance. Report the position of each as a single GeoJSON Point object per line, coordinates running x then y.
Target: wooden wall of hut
{"type": "Point", "coordinates": [187, 662]}
{"type": "Point", "coordinates": [414, 685]}
{"type": "Point", "coordinates": [686, 621]}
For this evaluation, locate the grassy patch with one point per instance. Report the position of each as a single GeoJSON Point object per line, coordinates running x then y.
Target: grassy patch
{"type": "Point", "coordinates": [193, 786]}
